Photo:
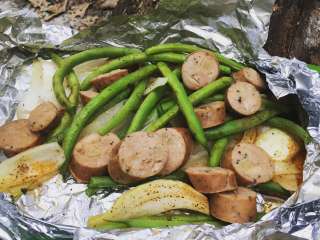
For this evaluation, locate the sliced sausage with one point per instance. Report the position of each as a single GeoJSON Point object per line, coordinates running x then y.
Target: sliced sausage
{"type": "Point", "coordinates": [211, 114]}
{"type": "Point", "coordinates": [91, 156]}
{"type": "Point", "coordinates": [199, 69]}
{"type": "Point", "coordinates": [243, 98]}
{"type": "Point", "coordinates": [16, 137]}
{"type": "Point", "coordinates": [106, 79]}
{"type": "Point", "coordinates": [179, 144]}
{"type": "Point", "coordinates": [143, 154]}
{"type": "Point", "coordinates": [86, 96]}
{"type": "Point", "coordinates": [44, 117]}
{"type": "Point", "coordinates": [237, 206]}
{"type": "Point", "coordinates": [212, 180]}
{"type": "Point", "coordinates": [251, 76]}
{"type": "Point", "coordinates": [251, 164]}
{"type": "Point", "coordinates": [115, 171]}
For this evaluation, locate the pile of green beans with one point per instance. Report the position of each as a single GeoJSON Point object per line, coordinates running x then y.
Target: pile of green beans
{"type": "Point", "coordinates": [184, 103]}
{"type": "Point", "coordinates": [195, 98]}
{"type": "Point", "coordinates": [177, 99]}
{"type": "Point", "coordinates": [83, 116]}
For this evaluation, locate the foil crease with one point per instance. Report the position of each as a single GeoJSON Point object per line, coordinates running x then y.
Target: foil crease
{"type": "Point", "coordinates": [238, 29]}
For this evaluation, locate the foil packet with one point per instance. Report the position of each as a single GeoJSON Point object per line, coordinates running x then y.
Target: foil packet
{"type": "Point", "coordinates": [238, 29]}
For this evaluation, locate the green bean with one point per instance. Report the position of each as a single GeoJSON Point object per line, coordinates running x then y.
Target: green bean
{"type": "Point", "coordinates": [214, 98]}
{"type": "Point", "coordinates": [184, 104]}
{"type": "Point", "coordinates": [129, 107]}
{"type": "Point", "coordinates": [123, 131]}
{"type": "Point", "coordinates": [225, 70]}
{"type": "Point", "coordinates": [102, 182]}
{"type": "Point", "coordinates": [290, 127]}
{"type": "Point", "coordinates": [82, 117]}
{"type": "Point", "coordinates": [72, 79]}
{"type": "Point", "coordinates": [161, 221]}
{"type": "Point", "coordinates": [187, 48]}
{"type": "Point", "coordinates": [57, 134]}
{"type": "Point", "coordinates": [172, 47]}
{"type": "Point", "coordinates": [207, 91]}
{"type": "Point", "coordinates": [125, 61]}
{"type": "Point", "coordinates": [145, 108]}
{"type": "Point", "coordinates": [314, 67]}
{"type": "Point", "coordinates": [92, 191]}
{"type": "Point", "coordinates": [111, 225]}
{"type": "Point", "coordinates": [217, 151]}
{"type": "Point", "coordinates": [168, 220]}
{"type": "Point", "coordinates": [70, 62]}
{"type": "Point", "coordinates": [164, 106]}
{"type": "Point", "coordinates": [168, 57]}
{"type": "Point", "coordinates": [273, 189]}
{"type": "Point", "coordinates": [240, 125]}
{"type": "Point", "coordinates": [195, 98]}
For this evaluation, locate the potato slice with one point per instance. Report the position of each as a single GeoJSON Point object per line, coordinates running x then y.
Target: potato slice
{"type": "Point", "coordinates": [278, 144]}
{"type": "Point", "coordinates": [153, 198]}
{"type": "Point", "coordinates": [289, 173]}
{"type": "Point", "coordinates": [289, 182]}
{"type": "Point", "coordinates": [285, 167]}
{"type": "Point", "coordinates": [28, 169]}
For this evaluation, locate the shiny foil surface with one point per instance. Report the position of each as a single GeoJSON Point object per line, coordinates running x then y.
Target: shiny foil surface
{"type": "Point", "coordinates": [238, 29]}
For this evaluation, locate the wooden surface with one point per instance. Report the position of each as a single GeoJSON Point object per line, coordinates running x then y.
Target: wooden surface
{"type": "Point", "coordinates": [295, 30]}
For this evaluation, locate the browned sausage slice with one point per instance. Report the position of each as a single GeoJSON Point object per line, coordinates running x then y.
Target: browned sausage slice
{"type": "Point", "coordinates": [251, 76]}
{"type": "Point", "coordinates": [199, 69]}
{"type": "Point", "coordinates": [211, 114]}
{"type": "Point", "coordinates": [44, 117]}
{"type": "Point", "coordinates": [142, 154]}
{"type": "Point", "coordinates": [251, 164]}
{"type": "Point", "coordinates": [86, 96]}
{"type": "Point", "coordinates": [91, 156]}
{"type": "Point", "coordinates": [237, 206]}
{"type": "Point", "coordinates": [16, 137]}
{"type": "Point", "coordinates": [179, 146]}
{"type": "Point", "coordinates": [243, 98]}
{"type": "Point", "coordinates": [212, 180]}
{"type": "Point", "coordinates": [115, 171]}
{"type": "Point", "coordinates": [106, 79]}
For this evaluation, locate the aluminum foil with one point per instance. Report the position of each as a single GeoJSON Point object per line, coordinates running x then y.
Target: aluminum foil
{"type": "Point", "coordinates": [238, 29]}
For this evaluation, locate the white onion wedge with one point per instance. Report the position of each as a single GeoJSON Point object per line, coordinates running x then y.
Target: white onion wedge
{"type": "Point", "coordinates": [29, 169]}
{"type": "Point", "coordinates": [153, 198]}
{"type": "Point", "coordinates": [40, 89]}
